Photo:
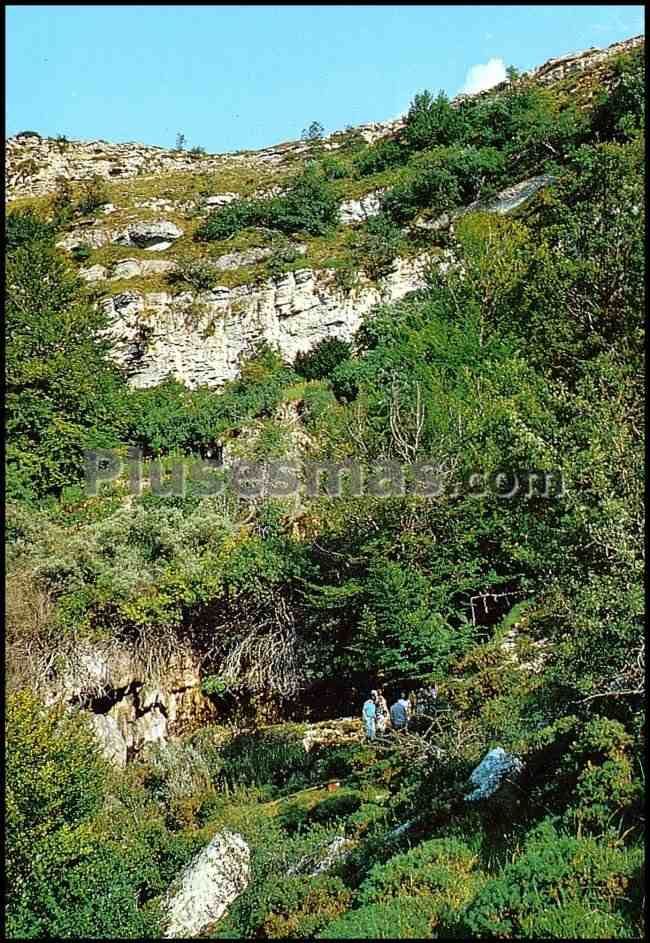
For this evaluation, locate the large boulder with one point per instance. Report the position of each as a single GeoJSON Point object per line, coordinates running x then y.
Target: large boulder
{"type": "Point", "coordinates": [212, 881]}
{"type": "Point", "coordinates": [491, 771]}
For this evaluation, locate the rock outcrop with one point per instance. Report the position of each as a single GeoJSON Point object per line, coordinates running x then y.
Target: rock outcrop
{"type": "Point", "coordinates": [208, 885]}
{"type": "Point", "coordinates": [201, 339]}
{"type": "Point", "coordinates": [153, 236]}
{"type": "Point", "coordinates": [129, 704]}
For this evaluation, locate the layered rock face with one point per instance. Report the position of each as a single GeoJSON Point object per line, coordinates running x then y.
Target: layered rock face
{"type": "Point", "coordinates": [201, 339]}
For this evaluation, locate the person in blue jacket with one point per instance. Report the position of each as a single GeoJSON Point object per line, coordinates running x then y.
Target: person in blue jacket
{"type": "Point", "coordinates": [369, 716]}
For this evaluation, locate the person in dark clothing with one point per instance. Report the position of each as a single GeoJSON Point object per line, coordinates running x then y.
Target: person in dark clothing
{"type": "Point", "coordinates": [400, 713]}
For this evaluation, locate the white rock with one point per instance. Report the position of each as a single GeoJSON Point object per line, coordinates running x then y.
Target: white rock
{"type": "Point", "coordinates": [220, 199]}
{"type": "Point", "coordinates": [146, 235]}
{"type": "Point", "coordinates": [355, 211]}
{"type": "Point", "coordinates": [293, 313]}
{"type": "Point", "coordinates": [212, 881]}
{"type": "Point", "coordinates": [112, 743]}
{"type": "Point", "coordinates": [489, 774]}
{"type": "Point", "coordinates": [126, 268]}
{"type": "Point", "coordinates": [96, 273]}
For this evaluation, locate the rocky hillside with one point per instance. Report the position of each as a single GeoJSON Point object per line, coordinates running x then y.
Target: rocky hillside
{"type": "Point", "coordinates": [156, 200]}
{"type": "Point", "coordinates": [287, 429]}
{"type": "Point", "coordinates": [33, 163]}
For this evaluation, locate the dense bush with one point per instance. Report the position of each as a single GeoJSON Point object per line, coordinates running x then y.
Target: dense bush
{"type": "Point", "coordinates": [321, 360]}
{"type": "Point", "coordinates": [431, 121]}
{"type": "Point", "coordinates": [309, 205]}
{"type": "Point", "coordinates": [377, 245]}
{"type": "Point", "coordinates": [381, 155]}
{"type": "Point", "coordinates": [406, 918]}
{"type": "Point", "coordinates": [560, 887]}
{"type": "Point", "coordinates": [228, 220]}
{"type": "Point", "coordinates": [56, 783]}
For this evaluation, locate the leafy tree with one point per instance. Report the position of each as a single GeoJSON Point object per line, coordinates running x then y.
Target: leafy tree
{"type": "Point", "coordinates": [431, 121]}
{"type": "Point", "coordinates": [62, 394]}
{"type": "Point", "coordinates": [314, 132]}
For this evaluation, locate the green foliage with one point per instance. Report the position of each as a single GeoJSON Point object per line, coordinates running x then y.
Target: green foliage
{"type": "Point", "coordinates": [199, 274]}
{"type": "Point", "coordinates": [24, 227]}
{"type": "Point", "coordinates": [62, 394]}
{"type": "Point", "coordinates": [309, 205]}
{"type": "Point", "coordinates": [314, 132]}
{"type": "Point", "coordinates": [382, 155]}
{"type": "Point", "coordinates": [377, 245]}
{"type": "Point", "coordinates": [333, 168]}
{"type": "Point", "coordinates": [560, 887]}
{"type": "Point", "coordinates": [431, 121]}
{"type": "Point", "coordinates": [55, 786]}
{"type": "Point", "coordinates": [228, 220]}
{"type": "Point", "coordinates": [525, 353]}
{"type": "Point", "coordinates": [432, 186]}
{"type": "Point", "coordinates": [322, 360]}
{"type": "Point", "coordinates": [406, 918]}
{"type": "Point", "coordinates": [93, 194]}
{"type": "Point", "coordinates": [621, 111]}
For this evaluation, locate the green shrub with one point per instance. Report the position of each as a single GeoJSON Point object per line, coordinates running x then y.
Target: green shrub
{"type": "Point", "coordinates": [381, 155]}
{"type": "Point", "coordinates": [199, 274]}
{"type": "Point", "coordinates": [81, 252]}
{"type": "Point", "coordinates": [377, 245]}
{"type": "Point", "coordinates": [560, 886]}
{"type": "Point", "coordinates": [314, 132]}
{"type": "Point", "coordinates": [340, 805]}
{"type": "Point", "coordinates": [24, 226]}
{"type": "Point", "coordinates": [270, 757]}
{"type": "Point", "coordinates": [406, 918]}
{"type": "Point", "coordinates": [432, 186]}
{"type": "Point", "coordinates": [319, 362]}
{"type": "Point", "coordinates": [283, 253]}
{"type": "Point", "coordinates": [431, 121]}
{"type": "Point", "coordinates": [309, 205]}
{"type": "Point", "coordinates": [93, 194]}
{"type": "Point", "coordinates": [333, 168]}
{"type": "Point", "coordinates": [442, 869]}
{"type": "Point", "coordinates": [56, 782]}
{"type": "Point", "coordinates": [317, 401]}
{"type": "Point", "coordinates": [228, 220]}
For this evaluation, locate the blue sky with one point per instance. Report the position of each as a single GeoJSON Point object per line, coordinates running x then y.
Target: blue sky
{"type": "Point", "coordinates": [235, 77]}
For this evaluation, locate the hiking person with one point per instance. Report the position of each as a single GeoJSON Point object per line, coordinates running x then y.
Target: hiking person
{"type": "Point", "coordinates": [427, 701]}
{"type": "Point", "coordinates": [369, 716]}
{"type": "Point", "coordinates": [399, 713]}
{"type": "Point", "coordinates": [382, 712]}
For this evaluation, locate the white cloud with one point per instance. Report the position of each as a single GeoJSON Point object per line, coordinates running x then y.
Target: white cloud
{"type": "Point", "coordinates": [484, 75]}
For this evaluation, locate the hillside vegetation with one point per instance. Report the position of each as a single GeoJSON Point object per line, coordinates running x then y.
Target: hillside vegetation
{"type": "Point", "coordinates": [524, 606]}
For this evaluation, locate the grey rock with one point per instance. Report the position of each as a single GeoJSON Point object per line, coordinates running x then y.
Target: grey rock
{"type": "Point", "coordinates": [126, 268]}
{"type": "Point", "coordinates": [112, 743]}
{"type": "Point", "coordinates": [491, 771]}
{"type": "Point", "coordinates": [157, 236]}
{"type": "Point", "coordinates": [220, 199]}
{"type": "Point", "coordinates": [356, 211]}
